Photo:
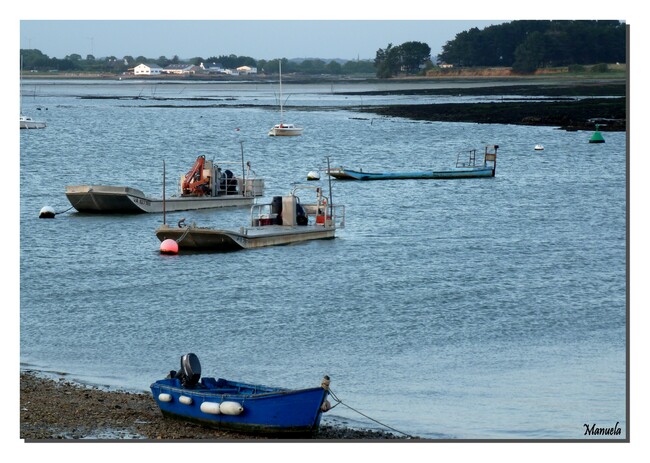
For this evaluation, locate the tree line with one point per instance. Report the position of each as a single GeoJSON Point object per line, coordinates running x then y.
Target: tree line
{"type": "Point", "coordinates": [523, 45]}
{"type": "Point", "coordinates": [35, 61]}
{"type": "Point", "coordinates": [529, 45]}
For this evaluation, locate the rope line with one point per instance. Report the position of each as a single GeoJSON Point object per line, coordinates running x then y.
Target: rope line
{"type": "Point", "coordinates": [77, 202]}
{"type": "Point", "coordinates": [339, 401]}
{"type": "Point", "coordinates": [187, 230]}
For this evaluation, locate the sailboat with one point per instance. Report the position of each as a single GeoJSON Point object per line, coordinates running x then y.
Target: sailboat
{"type": "Point", "coordinates": [282, 129]}
{"type": "Point", "coordinates": [27, 122]}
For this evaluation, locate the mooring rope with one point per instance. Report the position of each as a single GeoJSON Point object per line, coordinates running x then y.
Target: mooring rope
{"type": "Point", "coordinates": [76, 202]}
{"type": "Point", "coordinates": [187, 230]}
{"type": "Point", "coordinates": [339, 401]}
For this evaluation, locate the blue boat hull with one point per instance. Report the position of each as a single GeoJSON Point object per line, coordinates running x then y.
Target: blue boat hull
{"type": "Point", "coordinates": [347, 174]}
{"type": "Point", "coordinates": [265, 410]}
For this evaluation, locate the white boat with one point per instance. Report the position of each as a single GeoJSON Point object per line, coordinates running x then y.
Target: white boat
{"type": "Point", "coordinates": [282, 129]}
{"type": "Point", "coordinates": [285, 130]}
{"type": "Point", "coordinates": [283, 221]}
{"type": "Point", "coordinates": [539, 147]}
{"type": "Point", "coordinates": [27, 122]}
{"type": "Point", "coordinates": [207, 185]}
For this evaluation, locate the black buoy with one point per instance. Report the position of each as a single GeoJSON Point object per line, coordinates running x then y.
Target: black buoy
{"type": "Point", "coordinates": [46, 213]}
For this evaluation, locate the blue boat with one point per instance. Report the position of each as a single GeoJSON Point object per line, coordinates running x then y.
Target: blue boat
{"type": "Point", "coordinates": [241, 407]}
{"type": "Point", "coordinates": [464, 169]}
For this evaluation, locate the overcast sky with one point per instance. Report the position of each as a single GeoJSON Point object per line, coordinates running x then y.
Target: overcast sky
{"type": "Point", "coordinates": [260, 39]}
{"type": "Point", "coordinates": [264, 29]}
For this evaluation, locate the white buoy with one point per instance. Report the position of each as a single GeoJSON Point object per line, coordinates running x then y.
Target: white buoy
{"type": "Point", "coordinates": [185, 400]}
{"type": "Point", "coordinates": [210, 407]}
{"type": "Point", "coordinates": [313, 175]}
{"type": "Point", "coordinates": [231, 408]}
{"type": "Point", "coordinates": [46, 213]}
{"type": "Point", "coordinates": [164, 397]}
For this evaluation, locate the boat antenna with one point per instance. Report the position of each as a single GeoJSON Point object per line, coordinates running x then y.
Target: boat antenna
{"type": "Point", "coordinates": [329, 178]}
{"type": "Point", "coordinates": [243, 169]}
{"type": "Point", "coordinates": [164, 204]}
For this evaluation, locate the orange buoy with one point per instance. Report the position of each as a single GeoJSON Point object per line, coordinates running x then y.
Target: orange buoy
{"type": "Point", "coordinates": [169, 246]}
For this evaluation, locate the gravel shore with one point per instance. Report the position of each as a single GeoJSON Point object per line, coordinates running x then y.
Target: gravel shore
{"type": "Point", "coordinates": [52, 409]}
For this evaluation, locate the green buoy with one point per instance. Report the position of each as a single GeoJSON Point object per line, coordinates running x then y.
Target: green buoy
{"type": "Point", "coordinates": [597, 137]}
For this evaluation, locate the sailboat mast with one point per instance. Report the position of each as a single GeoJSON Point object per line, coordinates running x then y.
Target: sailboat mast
{"type": "Point", "coordinates": [280, 64]}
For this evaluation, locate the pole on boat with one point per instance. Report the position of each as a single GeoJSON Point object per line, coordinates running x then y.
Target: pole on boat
{"type": "Point", "coordinates": [164, 204]}
{"type": "Point", "coordinates": [243, 169]}
{"type": "Point", "coordinates": [329, 178]}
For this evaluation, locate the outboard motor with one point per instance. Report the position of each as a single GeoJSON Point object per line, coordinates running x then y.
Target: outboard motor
{"type": "Point", "coordinates": [190, 371]}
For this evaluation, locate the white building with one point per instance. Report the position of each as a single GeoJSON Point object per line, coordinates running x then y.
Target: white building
{"type": "Point", "coordinates": [213, 68]}
{"type": "Point", "coordinates": [147, 69]}
{"type": "Point", "coordinates": [246, 70]}
{"type": "Point", "coordinates": [180, 69]}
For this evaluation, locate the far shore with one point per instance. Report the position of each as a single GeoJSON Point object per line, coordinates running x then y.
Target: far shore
{"type": "Point", "coordinates": [567, 101]}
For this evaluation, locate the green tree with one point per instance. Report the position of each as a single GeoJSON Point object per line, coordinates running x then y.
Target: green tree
{"type": "Point", "coordinates": [387, 62]}
{"type": "Point", "coordinates": [530, 54]}
{"type": "Point", "coordinates": [334, 67]}
{"type": "Point", "coordinates": [413, 55]}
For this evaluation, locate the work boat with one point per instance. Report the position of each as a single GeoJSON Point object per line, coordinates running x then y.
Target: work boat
{"type": "Point", "coordinates": [470, 167]}
{"type": "Point", "coordinates": [241, 407]}
{"type": "Point", "coordinates": [207, 185]}
{"type": "Point", "coordinates": [283, 221]}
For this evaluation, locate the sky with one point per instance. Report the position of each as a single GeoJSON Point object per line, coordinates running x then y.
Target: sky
{"type": "Point", "coordinates": [334, 29]}
{"type": "Point", "coordinates": [259, 39]}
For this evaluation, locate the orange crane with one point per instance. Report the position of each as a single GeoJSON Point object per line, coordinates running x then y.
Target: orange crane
{"type": "Point", "coordinates": [195, 183]}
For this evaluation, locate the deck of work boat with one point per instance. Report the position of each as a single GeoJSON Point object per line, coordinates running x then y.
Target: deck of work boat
{"type": "Point", "coordinates": [283, 221]}
{"type": "Point", "coordinates": [207, 185]}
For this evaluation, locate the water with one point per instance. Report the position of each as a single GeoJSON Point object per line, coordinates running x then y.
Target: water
{"type": "Point", "coordinates": [467, 309]}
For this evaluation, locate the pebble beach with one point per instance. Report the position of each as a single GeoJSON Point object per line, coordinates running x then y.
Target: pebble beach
{"type": "Point", "coordinates": [57, 409]}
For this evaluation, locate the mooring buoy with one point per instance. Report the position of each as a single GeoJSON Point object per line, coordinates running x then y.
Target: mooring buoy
{"type": "Point", "coordinates": [46, 213]}
{"type": "Point", "coordinates": [169, 246]}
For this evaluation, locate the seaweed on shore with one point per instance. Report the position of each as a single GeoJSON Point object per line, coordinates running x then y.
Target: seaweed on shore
{"type": "Point", "coordinates": [609, 113]}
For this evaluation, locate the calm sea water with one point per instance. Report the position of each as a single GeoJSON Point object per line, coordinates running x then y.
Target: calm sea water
{"type": "Point", "coordinates": [468, 309]}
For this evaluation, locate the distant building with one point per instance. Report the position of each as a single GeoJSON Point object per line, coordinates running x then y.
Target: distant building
{"type": "Point", "coordinates": [213, 68]}
{"type": "Point", "coordinates": [246, 70]}
{"type": "Point", "coordinates": [147, 69]}
{"type": "Point", "coordinates": [179, 69]}
{"type": "Point", "coordinates": [446, 66]}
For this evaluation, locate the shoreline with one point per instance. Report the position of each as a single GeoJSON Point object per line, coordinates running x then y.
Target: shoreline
{"type": "Point", "coordinates": [62, 410]}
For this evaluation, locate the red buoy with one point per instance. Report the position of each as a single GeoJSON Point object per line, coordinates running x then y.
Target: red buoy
{"type": "Point", "coordinates": [169, 246]}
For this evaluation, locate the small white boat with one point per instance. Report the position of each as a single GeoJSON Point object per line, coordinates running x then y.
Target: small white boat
{"type": "Point", "coordinates": [283, 221]}
{"type": "Point", "coordinates": [207, 185]}
{"type": "Point", "coordinates": [539, 147]}
{"type": "Point", "coordinates": [313, 175]}
{"type": "Point", "coordinates": [285, 130]}
{"type": "Point", "coordinates": [282, 129]}
{"type": "Point", "coordinates": [27, 122]}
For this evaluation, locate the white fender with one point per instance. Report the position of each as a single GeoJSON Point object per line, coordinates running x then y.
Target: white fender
{"type": "Point", "coordinates": [231, 408]}
{"type": "Point", "coordinates": [185, 400]}
{"type": "Point", "coordinates": [164, 397]}
{"type": "Point", "coordinates": [210, 407]}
